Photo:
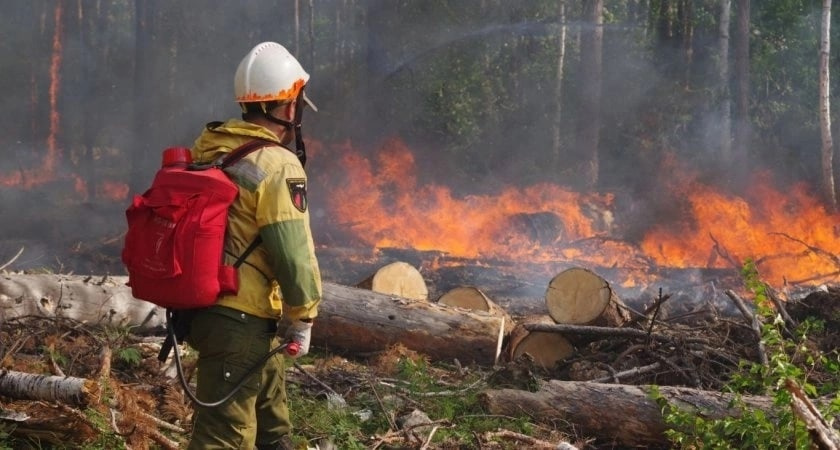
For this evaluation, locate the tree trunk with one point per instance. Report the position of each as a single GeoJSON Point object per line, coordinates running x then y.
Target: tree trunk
{"type": "Point", "coordinates": [397, 278]}
{"type": "Point", "coordinates": [724, 99]}
{"type": "Point", "coordinates": [297, 28]}
{"type": "Point", "coordinates": [742, 83]}
{"type": "Point", "coordinates": [686, 14]}
{"type": "Point", "coordinates": [621, 414]}
{"type": "Point", "coordinates": [590, 106]}
{"type": "Point", "coordinates": [825, 109]}
{"type": "Point", "coordinates": [578, 296]}
{"type": "Point", "coordinates": [350, 319]}
{"type": "Point", "coordinates": [561, 61]}
{"type": "Point", "coordinates": [144, 86]}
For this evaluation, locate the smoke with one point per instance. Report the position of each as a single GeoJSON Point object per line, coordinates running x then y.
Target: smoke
{"type": "Point", "coordinates": [474, 96]}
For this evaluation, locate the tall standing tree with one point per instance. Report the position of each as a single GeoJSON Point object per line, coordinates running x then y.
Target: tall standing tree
{"type": "Point", "coordinates": [589, 133]}
{"type": "Point", "coordinates": [144, 83]}
{"type": "Point", "coordinates": [742, 81]}
{"type": "Point", "coordinates": [825, 108]}
{"type": "Point", "coordinates": [561, 62]}
{"type": "Point", "coordinates": [724, 96]}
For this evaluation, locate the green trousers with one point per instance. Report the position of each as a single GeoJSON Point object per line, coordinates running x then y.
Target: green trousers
{"type": "Point", "coordinates": [229, 342]}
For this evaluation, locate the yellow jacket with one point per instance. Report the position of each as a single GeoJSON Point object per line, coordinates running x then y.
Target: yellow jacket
{"type": "Point", "coordinates": [283, 270]}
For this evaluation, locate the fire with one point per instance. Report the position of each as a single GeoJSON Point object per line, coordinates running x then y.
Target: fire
{"type": "Point", "coordinates": [51, 160]}
{"type": "Point", "coordinates": [112, 190]}
{"type": "Point", "coordinates": [384, 204]}
{"type": "Point", "coordinates": [29, 178]}
{"type": "Point", "coordinates": [790, 235]}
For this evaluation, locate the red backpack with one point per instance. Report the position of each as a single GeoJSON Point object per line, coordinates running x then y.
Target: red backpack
{"type": "Point", "coordinates": [176, 232]}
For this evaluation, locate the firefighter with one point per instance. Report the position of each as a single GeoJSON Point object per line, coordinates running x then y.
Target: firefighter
{"type": "Point", "coordinates": [280, 278]}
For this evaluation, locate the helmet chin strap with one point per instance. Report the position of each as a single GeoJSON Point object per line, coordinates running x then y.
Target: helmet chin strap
{"type": "Point", "coordinates": [300, 147]}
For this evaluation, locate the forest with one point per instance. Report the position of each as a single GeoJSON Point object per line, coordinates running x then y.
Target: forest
{"type": "Point", "coordinates": [664, 144]}
{"type": "Point", "coordinates": [485, 94]}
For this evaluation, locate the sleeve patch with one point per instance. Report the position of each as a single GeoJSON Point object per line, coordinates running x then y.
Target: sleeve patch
{"type": "Point", "coordinates": [297, 191]}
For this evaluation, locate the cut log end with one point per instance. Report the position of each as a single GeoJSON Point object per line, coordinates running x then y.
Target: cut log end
{"type": "Point", "coordinates": [578, 296]}
{"type": "Point", "coordinates": [468, 297]}
{"type": "Point", "coordinates": [472, 298]}
{"type": "Point", "coordinates": [397, 278]}
{"type": "Point", "coordinates": [546, 348]}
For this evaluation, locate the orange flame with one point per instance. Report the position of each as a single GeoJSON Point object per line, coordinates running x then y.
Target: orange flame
{"type": "Point", "coordinates": [385, 206]}
{"type": "Point", "coordinates": [790, 234]}
{"type": "Point", "coordinates": [51, 160]}
{"type": "Point", "coordinates": [28, 178]}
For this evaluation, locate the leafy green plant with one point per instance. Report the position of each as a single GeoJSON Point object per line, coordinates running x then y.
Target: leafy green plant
{"type": "Point", "coordinates": [788, 359]}
{"type": "Point", "coordinates": [130, 356]}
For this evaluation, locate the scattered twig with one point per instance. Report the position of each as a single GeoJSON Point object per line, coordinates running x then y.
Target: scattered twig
{"type": "Point", "coordinates": [780, 307]}
{"type": "Point", "coordinates": [532, 442]}
{"type": "Point", "coordinates": [720, 250]}
{"type": "Point", "coordinates": [627, 373]}
{"type": "Point", "coordinates": [9, 262]}
{"type": "Point", "coordinates": [316, 380]}
{"type": "Point", "coordinates": [752, 319]}
{"type": "Point", "coordinates": [433, 393]}
{"type": "Point", "coordinates": [116, 427]}
{"type": "Point", "coordinates": [822, 433]}
{"type": "Point", "coordinates": [817, 250]}
{"type": "Point", "coordinates": [163, 441]}
{"type": "Point", "coordinates": [586, 330]}
{"type": "Point", "coordinates": [429, 439]}
{"type": "Point", "coordinates": [162, 423]}
{"type": "Point", "coordinates": [54, 367]}
{"type": "Point", "coordinates": [391, 422]}
{"type": "Point", "coordinates": [658, 304]}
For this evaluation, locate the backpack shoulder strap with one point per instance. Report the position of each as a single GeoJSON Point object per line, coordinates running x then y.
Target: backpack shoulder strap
{"type": "Point", "coordinates": [231, 159]}
{"type": "Point", "coordinates": [243, 151]}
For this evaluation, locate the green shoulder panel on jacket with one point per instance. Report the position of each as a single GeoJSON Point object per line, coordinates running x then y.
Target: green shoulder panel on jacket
{"type": "Point", "coordinates": [283, 221]}
{"type": "Point", "coordinates": [293, 261]}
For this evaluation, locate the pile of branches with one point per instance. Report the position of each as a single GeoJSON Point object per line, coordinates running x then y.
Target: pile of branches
{"type": "Point", "coordinates": [701, 348]}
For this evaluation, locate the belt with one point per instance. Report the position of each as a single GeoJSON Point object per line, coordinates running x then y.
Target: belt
{"type": "Point", "coordinates": [259, 323]}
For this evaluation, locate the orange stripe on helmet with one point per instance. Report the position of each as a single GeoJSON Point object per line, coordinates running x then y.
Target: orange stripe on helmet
{"type": "Point", "coordinates": [285, 94]}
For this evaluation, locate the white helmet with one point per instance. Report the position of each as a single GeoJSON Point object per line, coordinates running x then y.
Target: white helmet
{"type": "Point", "coordinates": [269, 73]}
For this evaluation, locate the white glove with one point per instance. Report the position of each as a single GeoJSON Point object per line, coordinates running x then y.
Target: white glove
{"type": "Point", "coordinates": [299, 332]}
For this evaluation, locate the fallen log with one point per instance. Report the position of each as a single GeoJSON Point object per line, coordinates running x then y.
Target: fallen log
{"type": "Point", "coordinates": [350, 319]}
{"type": "Point", "coordinates": [50, 388]}
{"type": "Point", "coordinates": [87, 299]}
{"type": "Point", "coordinates": [357, 320]}
{"type": "Point", "coordinates": [622, 415]}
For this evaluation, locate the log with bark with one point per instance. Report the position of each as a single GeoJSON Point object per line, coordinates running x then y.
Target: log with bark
{"type": "Point", "coordinates": [51, 388]}
{"type": "Point", "coordinates": [623, 415]}
{"type": "Point", "coordinates": [357, 320]}
{"type": "Point", "coordinates": [350, 319]}
{"type": "Point", "coordinates": [87, 299]}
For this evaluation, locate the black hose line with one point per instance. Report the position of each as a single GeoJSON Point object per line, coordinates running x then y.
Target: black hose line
{"type": "Point", "coordinates": [236, 387]}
